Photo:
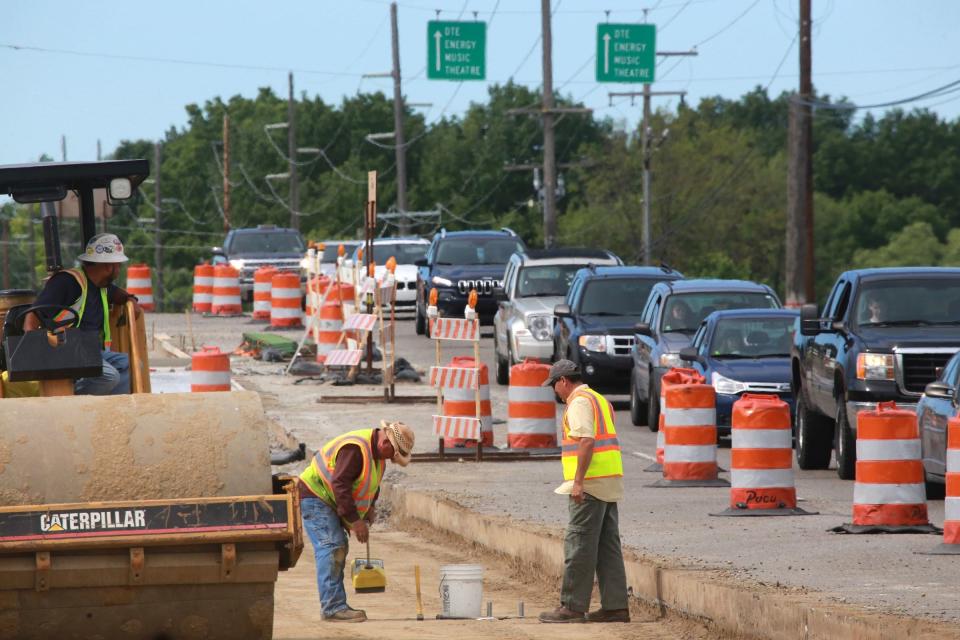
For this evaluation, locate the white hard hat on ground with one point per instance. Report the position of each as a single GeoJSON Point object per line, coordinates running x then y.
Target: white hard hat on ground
{"type": "Point", "coordinates": [104, 248]}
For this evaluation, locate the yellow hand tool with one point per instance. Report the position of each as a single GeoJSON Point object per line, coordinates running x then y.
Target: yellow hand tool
{"type": "Point", "coordinates": [368, 575]}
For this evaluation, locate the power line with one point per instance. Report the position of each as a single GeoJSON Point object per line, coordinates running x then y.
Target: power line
{"type": "Point", "coordinates": [947, 89]}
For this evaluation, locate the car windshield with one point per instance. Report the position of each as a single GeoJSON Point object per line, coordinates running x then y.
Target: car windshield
{"type": "Point", "coordinates": [405, 253]}
{"type": "Point", "coordinates": [548, 280]}
{"type": "Point", "coordinates": [906, 302]}
{"type": "Point", "coordinates": [463, 251]}
{"type": "Point", "coordinates": [330, 250]}
{"type": "Point", "coordinates": [683, 312]}
{"type": "Point", "coordinates": [269, 242]}
{"type": "Point", "coordinates": [616, 296]}
{"type": "Point", "coordinates": [752, 338]}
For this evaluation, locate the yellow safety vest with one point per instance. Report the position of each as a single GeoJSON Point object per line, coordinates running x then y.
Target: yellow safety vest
{"type": "Point", "coordinates": [606, 461]}
{"type": "Point", "coordinates": [80, 305]}
{"type": "Point", "coordinates": [319, 475]}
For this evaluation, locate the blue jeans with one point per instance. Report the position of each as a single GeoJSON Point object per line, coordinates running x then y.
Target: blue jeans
{"type": "Point", "coordinates": [114, 380]}
{"type": "Point", "coordinates": [330, 547]}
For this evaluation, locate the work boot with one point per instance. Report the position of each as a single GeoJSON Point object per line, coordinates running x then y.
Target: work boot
{"type": "Point", "coordinates": [562, 614]}
{"type": "Point", "coordinates": [609, 615]}
{"type": "Point", "coordinates": [347, 615]}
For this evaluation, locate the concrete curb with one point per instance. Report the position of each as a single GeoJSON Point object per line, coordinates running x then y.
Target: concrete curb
{"type": "Point", "coordinates": [732, 606]}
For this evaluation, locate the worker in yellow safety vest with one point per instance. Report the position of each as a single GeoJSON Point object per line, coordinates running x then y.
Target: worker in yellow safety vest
{"type": "Point", "coordinates": [89, 291]}
{"type": "Point", "coordinates": [338, 493]}
{"type": "Point", "coordinates": [593, 480]}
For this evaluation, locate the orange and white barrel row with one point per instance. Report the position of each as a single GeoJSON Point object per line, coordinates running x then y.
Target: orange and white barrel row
{"type": "Point", "coordinates": [951, 503]}
{"type": "Point", "coordinates": [761, 456]}
{"type": "Point", "coordinates": [329, 326]}
{"type": "Point", "coordinates": [285, 300]}
{"type": "Point", "coordinates": [462, 403]}
{"type": "Point", "coordinates": [888, 490]}
{"type": "Point", "coordinates": [532, 410]}
{"type": "Point", "coordinates": [202, 287]}
{"type": "Point", "coordinates": [456, 428]}
{"type": "Point", "coordinates": [140, 285]}
{"type": "Point", "coordinates": [226, 291]}
{"type": "Point", "coordinates": [210, 370]}
{"type": "Point", "coordinates": [262, 279]}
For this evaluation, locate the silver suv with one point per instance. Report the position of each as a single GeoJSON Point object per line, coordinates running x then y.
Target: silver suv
{"type": "Point", "coordinates": [533, 284]}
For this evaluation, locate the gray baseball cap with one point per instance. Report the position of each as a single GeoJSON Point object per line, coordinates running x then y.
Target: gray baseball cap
{"type": "Point", "coordinates": [560, 369]}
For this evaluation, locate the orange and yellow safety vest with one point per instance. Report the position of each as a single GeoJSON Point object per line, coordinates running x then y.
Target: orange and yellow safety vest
{"type": "Point", "coordinates": [606, 461]}
{"type": "Point", "coordinates": [319, 475]}
{"type": "Point", "coordinates": [80, 305]}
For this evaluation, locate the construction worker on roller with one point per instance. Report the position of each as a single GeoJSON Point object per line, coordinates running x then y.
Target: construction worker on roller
{"type": "Point", "coordinates": [593, 478]}
{"type": "Point", "coordinates": [338, 494]}
{"type": "Point", "coordinates": [89, 291]}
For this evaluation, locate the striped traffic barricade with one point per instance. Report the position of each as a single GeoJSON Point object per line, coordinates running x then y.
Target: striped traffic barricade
{"type": "Point", "coordinates": [209, 370]}
{"type": "Point", "coordinates": [203, 287]}
{"type": "Point", "coordinates": [690, 431]}
{"type": "Point", "coordinates": [226, 291]}
{"type": "Point", "coordinates": [761, 459]}
{"type": "Point", "coordinates": [140, 284]}
{"type": "Point", "coordinates": [532, 408]}
{"type": "Point", "coordinates": [462, 402]}
{"type": "Point", "coordinates": [262, 279]}
{"type": "Point", "coordinates": [951, 502]}
{"type": "Point", "coordinates": [285, 310]}
{"type": "Point", "coordinates": [889, 495]}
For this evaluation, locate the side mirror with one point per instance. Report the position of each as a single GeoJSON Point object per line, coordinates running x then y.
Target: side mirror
{"type": "Point", "coordinates": [562, 311]}
{"type": "Point", "coordinates": [643, 329]}
{"type": "Point", "coordinates": [217, 251]}
{"type": "Point", "coordinates": [938, 390]}
{"type": "Point", "coordinates": [809, 320]}
{"type": "Point", "coordinates": [499, 294]}
{"type": "Point", "coordinates": [420, 262]}
{"type": "Point", "coordinates": [690, 354]}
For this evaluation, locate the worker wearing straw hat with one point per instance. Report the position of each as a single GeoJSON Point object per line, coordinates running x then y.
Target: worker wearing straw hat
{"type": "Point", "coordinates": [338, 494]}
{"type": "Point", "coordinates": [593, 480]}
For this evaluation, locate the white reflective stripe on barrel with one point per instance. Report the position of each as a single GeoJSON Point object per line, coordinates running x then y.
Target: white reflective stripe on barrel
{"type": "Point", "coordinates": [324, 348]}
{"type": "Point", "coordinates": [673, 417]}
{"type": "Point", "coordinates": [138, 283]}
{"type": "Point", "coordinates": [226, 283]}
{"type": "Point", "coordinates": [210, 378]}
{"type": "Point", "coordinates": [202, 297]}
{"type": "Point", "coordinates": [145, 298]}
{"type": "Point", "coordinates": [953, 460]}
{"type": "Point", "coordinates": [531, 394]}
{"type": "Point", "coordinates": [865, 493]}
{"type": "Point", "coordinates": [280, 312]}
{"type": "Point", "coordinates": [203, 281]}
{"type": "Point", "coordinates": [951, 508]}
{"type": "Point", "coordinates": [262, 286]}
{"type": "Point", "coordinates": [329, 325]}
{"type": "Point", "coordinates": [531, 425]}
{"type": "Point", "coordinates": [226, 299]}
{"type": "Point", "coordinates": [261, 305]}
{"type": "Point", "coordinates": [888, 449]}
{"type": "Point", "coordinates": [761, 439]}
{"type": "Point", "coordinates": [761, 478]}
{"type": "Point", "coordinates": [282, 293]}
{"type": "Point", "coordinates": [464, 395]}
{"type": "Point", "coordinates": [690, 453]}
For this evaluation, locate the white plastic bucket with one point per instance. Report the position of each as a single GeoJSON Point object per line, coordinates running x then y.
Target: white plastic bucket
{"type": "Point", "coordinates": [461, 590]}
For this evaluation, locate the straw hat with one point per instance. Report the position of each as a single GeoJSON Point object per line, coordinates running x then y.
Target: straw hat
{"type": "Point", "coordinates": [401, 437]}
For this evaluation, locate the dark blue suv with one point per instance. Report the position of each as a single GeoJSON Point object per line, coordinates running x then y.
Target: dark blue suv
{"type": "Point", "coordinates": [672, 315]}
{"type": "Point", "coordinates": [594, 327]}
{"type": "Point", "coordinates": [458, 261]}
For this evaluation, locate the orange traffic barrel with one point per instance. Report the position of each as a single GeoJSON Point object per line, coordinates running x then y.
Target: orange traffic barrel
{"type": "Point", "coordinates": [202, 287]}
{"type": "Point", "coordinates": [140, 284]}
{"type": "Point", "coordinates": [463, 403]}
{"type": "Point", "coordinates": [329, 326]}
{"type": "Point", "coordinates": [262, 278]}
{"type": "Point", "coordinates": [761, 458]}
{"type": "Point", "coordinates": [689, 431]}
{"type": "Point", "coordinates": [315, 289]}
{"type": "Point", "coordinates": [226, 291]}
{"type": "Point", "coordinates": [285, 300]}
{"type": "Point", "coordinates": [210, 370]}
{"type": "Point", "coordinates": [532, 411]}
{"type": "Point", "coordinates": [889, 494]}
{"type": "Point", "coordinates": [951, 502]}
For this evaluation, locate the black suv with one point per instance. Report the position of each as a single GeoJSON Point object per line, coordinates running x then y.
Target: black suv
{"type": "Point", "coordinates": [263, 246]}
{"type": "Point", "coordinates": [458, 261]}
{"type": "Point", "coordinates": [595, 325]}
{"type": "Point", "coordinates": [883, 335]}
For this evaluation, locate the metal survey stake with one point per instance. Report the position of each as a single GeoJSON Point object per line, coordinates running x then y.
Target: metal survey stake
{"type": "Point", "coordinates": [416, 578]}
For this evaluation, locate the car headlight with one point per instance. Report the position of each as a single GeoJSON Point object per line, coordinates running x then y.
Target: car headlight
{"type": "Point", "coordinates": [593, 343]}
{"type": "Point", "coordinates": [237, 264]}
{"type": "Point", "coordinates": [670, 360]}
{"type": "Point", "coordinates": [726, 386]}
{"type": "Point", "coordinates": [441, 282]}
{"type": "Point", "coordinates": [875, 366]}
{"type": "Point", "coordinates": [540, 327]}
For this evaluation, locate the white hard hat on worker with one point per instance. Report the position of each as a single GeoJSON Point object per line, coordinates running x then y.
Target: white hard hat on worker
{"type": "Point", "coordinates": [103, 248]}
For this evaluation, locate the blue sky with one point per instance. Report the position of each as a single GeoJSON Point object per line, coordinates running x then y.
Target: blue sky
{"type": "Point", "coordinates": [869, 50]}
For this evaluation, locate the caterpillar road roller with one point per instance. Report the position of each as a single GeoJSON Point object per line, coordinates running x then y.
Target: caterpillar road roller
{"type": "Point", "coordinates": [129, 516]}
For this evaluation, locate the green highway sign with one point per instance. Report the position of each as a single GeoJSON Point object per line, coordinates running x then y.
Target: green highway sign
{"type": "Point", "coordinates": [626, 52]}
{"type": "Point", "coordinates": [456, 50]}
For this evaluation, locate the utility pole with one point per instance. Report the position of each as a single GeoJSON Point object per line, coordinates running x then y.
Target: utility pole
{"type": "Point", "coordinates": [292, 155]}
{"type": "Point", "coordinates": [549, 139]}
{"type": "Point", "coordinates": [158, 222]}
{"type": "Point", "coordinates": [5, 221]}
{"type": "Point", "coordinates": [31, 263]}
{"type": "Point", "coordinates": [99, 156]}
{"type": "Point", "coordinates": [226, 172]}
{"type": "Point", "coordinates": [398, 113]}
{"type": "Point", "coordinates": [799, 239]}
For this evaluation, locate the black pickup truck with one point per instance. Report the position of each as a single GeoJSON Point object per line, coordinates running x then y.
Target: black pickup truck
{"type": "Point", "coordinates": [883, 335]}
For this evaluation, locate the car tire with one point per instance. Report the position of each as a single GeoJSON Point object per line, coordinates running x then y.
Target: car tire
{"type": "Point", "coordinates": [653, 407]}
{"type": "Point", "coordinates": [638, 410]}
{"type": "Point", "coordinates": [503, 365]}
{"type": "Point", "coordinates": [814, 437]}
{"type": "Point", "coordinates": [420, 324]}
{"type": "Point", "coordinates": [936, 489]}
{"type": "Point", "coordinates": [845, 444]}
